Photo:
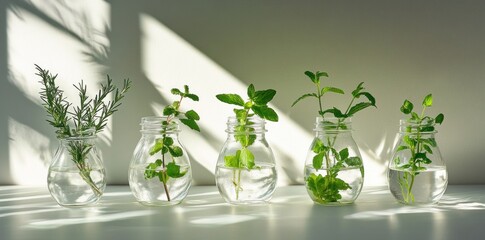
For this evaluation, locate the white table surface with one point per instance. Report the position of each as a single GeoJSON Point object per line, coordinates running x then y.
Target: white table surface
{"type": "Point", "coordinates": [31, 213]}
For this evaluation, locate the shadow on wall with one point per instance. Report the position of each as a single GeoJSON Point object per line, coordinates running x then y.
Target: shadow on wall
{"type": "Point", "coordinates": [132, 44]}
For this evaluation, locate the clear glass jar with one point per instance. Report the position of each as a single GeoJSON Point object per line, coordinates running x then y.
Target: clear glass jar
{"type": "Point", "coordinates": [334, 172]}
{"type": "Point", "coordinates": [160, 172]}
{"type": "Point", "coordinates": [245, 171]}
{"type": "Point", "coordinates": [417, 173]}
{"type": "Point", "coordinates": [76, 176]}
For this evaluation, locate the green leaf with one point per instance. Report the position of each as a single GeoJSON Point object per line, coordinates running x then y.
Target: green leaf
{"type": "Point", "coordinates": [312, 77]}
{"type": "Point", "coordinates": [414, 116]}
{"type": "Point", "coordinates": [353, 161]}
{"type": "Point", "coordinates": [318, 160]}
{"type": "Point", "coordinates": [428, 100]}
{"type": "Point", "coordinates": [303, 97]}
{"type": "Point", "coordinates": [263, 97]}
{"type": "Point", "coordinates": [265, 113]}
{"type": "Point", "coordinates": [192, 115]}
{"type": "Point", "coordinates": [402, 147]}
{"type": "Point", "coordinates": [191, 124]}
{"type": "Point", "coordinates": [344, 153]}
{"type": "Point", "coordinates": [192, 96]}
{"type": "Point", "coordinates": [186, 89]}
{"type": "Point", "coordinates": [439, 119]}
{"type": "Point", "coordinates": [318, 146]}
{"type": "Point", "coordinates": [164, 149]}
{"type": "Point", "coordinates": [336, 112]}
{"type": "Point", "coordinates": [173, 170]}
{"type": "Point", "coordinates": [176, 151]}
{"type": "Point", "coordinates": [231, 99]}
{"type": "Point", "coordinates": [369, 96]}
{"type": "Point", "coordinates": [169, 110]}
{"type": "Point", "coordinates": [331, 89]}
{"type": "Point", "coordinates": [156, 148]}
{"type": "Point", "coordinates": [247, 158]}
{"type": "Point", "coordinates": [176, 91]}
{"type": "Point", "coordinates": [358, 107]}
{"type": "Point", "coordinates": [251, 91]}
{"type": "Point", "coordinates": [357, 90]}
{"type": "Point", "coordinates": [321, 74]}
{"type": "Point", "coordinates": [427, 148]}
{"type": "Point", "coordinates": [409, 141]}
{"type": "Point", "coordinates": [233, 160]}
{"type": "Point", "coordinates": [167, 141]}
{"type": "Point", "coordinates": [407, 107]}
{"type": "Point", "coordinates": [162, 175]}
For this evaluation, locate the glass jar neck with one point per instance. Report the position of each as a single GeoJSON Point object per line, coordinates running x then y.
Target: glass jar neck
{"type": "Point", "coordinates": [159, 125]}
{"type": "Point", "coordinates": [424, 126]}
{"type": "Point", "coordinates": [333, 125]}
{"type": "Point", "coordinates": [252, 125]}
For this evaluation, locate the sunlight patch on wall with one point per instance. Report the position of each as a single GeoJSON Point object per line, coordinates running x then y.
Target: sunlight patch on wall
{"type": "Point", "coordinates": [170, 61]}
{"type": "Point", "coordinates": [29, 154]}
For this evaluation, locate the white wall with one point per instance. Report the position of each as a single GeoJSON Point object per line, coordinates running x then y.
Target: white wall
{"type": "Point", "coordinates": [400, 50]}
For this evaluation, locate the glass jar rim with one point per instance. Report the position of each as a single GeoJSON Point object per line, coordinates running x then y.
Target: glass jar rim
{"type": "Point", "coordinates": [153, 124]}
{"type": "Point", "coordinates": [333, 124]}
{"type": "Point", "coordinates": [414, 126]}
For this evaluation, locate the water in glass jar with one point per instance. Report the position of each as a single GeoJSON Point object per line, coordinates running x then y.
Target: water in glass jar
{"type": "Point", "coordinates": [243, 186]}
{"type": "Point", "coordinates": [152, 192]}
{"type": "Point", "coordinates": [425, 187]}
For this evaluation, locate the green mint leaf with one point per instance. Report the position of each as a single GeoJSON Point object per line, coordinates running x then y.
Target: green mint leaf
{"type": "Point", "coordinates": [369, 96]}
{"type": "Point", "coordinates": [321, 74]}
{"type": "Point", "coordinates": [318, 160]}
{"type": "Point", "coordinates": [409, 141]}
{"type": "Point", "coordinates": [414, 116]}
{"type": "Point", "coordinates": [176, 151]}
{"type": "Point", "coordinates": [332, 89]}
{"type": "Point", "coordinates": [428, 100]}
{"type": "Point", "coordinates": [303, 97]}
{"type": "Point", "coordinates": [157, 147]}
{"type": "Point", "coordinates": [439, 119]}
{"type": "Point", "coordinates": [312, 77]}
{"type": "Point", "coordinates": [191, 114]}
{"type": "Point", "coordinates": [357, 90]}
{"type": "Point", "coordinates": [173, 170]}
{"type": "Point", "coordinates": [402, 147]}
{"type": "Point", "coordinates": [318, 146]}
{"type": "Point", "coordinates": [176, 91]}
{"type": "Point", "coordinates": [263, 97]}
{"type": "Point", "coordinates": [164, 149]}
{"type": "Point", "coordinates": [162, 175]}
{"type": "Point", "coordinates": [336, 112]}
{"type": "Point", "coordinates": [358, 107]}
{"type": "Point", "coordinates": [251, 91]}
{"type": "Point", "coordinates": [190, 123]}
{"type": "Point", "coordinates": [167, 141]}
{"type": "Point", "coordinates": [265, 113]}
{"type": "Point", "coordinates": [426, 129]}
{"type": "Point", "coordinates": [407, 107]}
{"type": "Point", "coordinates": [247, 158]}
{"type": "Point", "coordinates": [232, 160]}
{"type": "Point", "coordinates": [344, 153]}
{"type": "Point", "coordinates": [169, 110]}
{"type": "Point", "coordinates": [186, 89]}
{"type": "Point", "coordinates": [231, 99]}
{"type": "Point", "coordinates": [427, 148]}
{"type": "Point", "coordinates": [353, 161]}
{"type": "Point", "coordinates": [192, 96]}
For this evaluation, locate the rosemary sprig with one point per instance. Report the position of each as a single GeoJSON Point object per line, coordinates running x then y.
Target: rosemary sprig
{"type": "Point", "coordinates": [89, 118]}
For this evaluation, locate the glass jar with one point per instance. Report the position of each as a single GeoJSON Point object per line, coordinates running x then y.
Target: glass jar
{"type": "Point", "coordinates": [417, 173]}
{"type": "Point", "coordinates": [76, 176]}
{"type": "Point", "coordinates": [245, 171]}
{"type": "Point", "coordinates": [334, 172]}
{"type": "Point", "coordinates": [160, 172]}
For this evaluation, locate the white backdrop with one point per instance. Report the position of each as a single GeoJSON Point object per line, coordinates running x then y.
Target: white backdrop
{"type": "Point", "coordinates": [400, 50]}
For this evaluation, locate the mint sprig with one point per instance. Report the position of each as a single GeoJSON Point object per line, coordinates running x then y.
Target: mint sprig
{"type": "Point", "coordinates": [327, 189]}
{"type": "Point", "coordinates": [162, 168]}
{"type": "Point", "coordinates": [419, 147]}
{"type": "Point", "coordinates": [257, 104]}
